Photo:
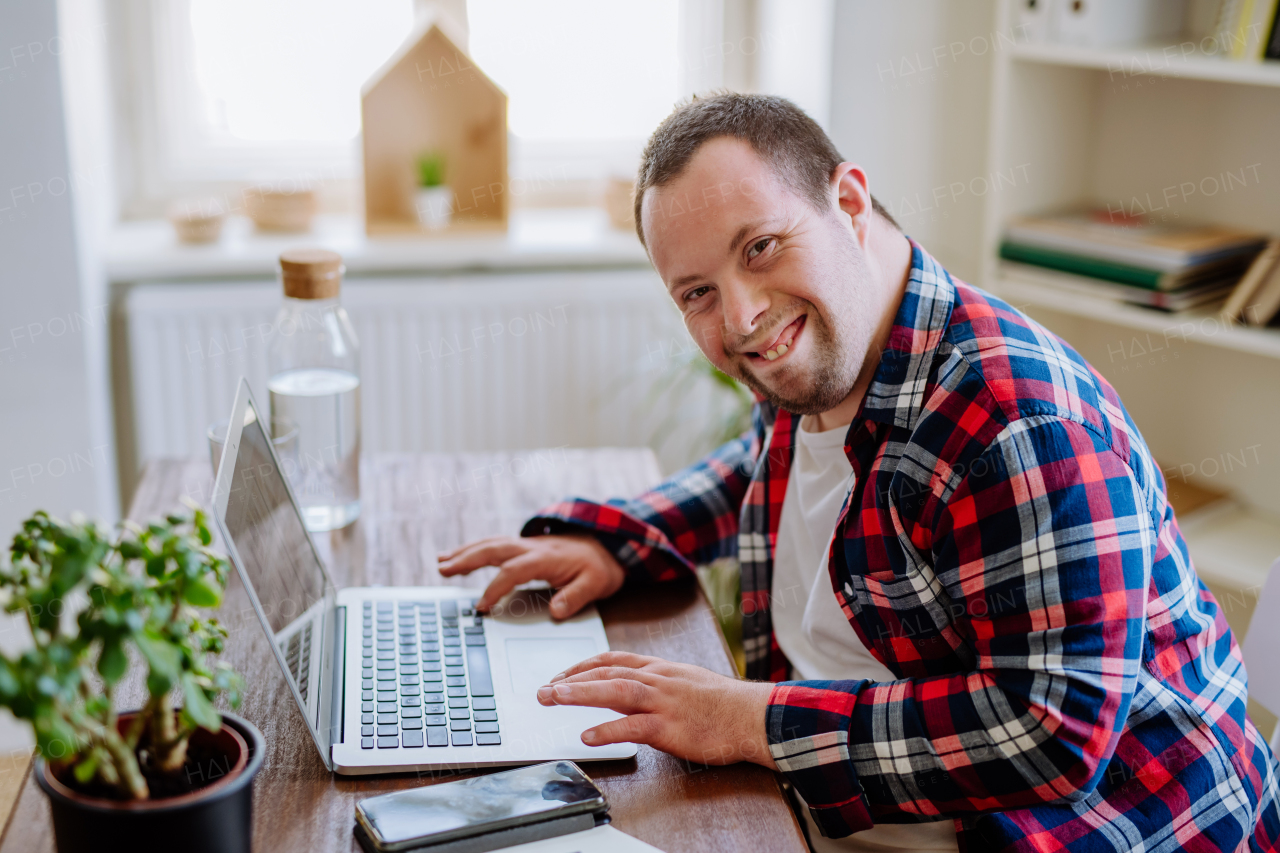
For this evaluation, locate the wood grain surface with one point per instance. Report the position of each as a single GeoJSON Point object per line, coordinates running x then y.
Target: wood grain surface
{"type": "Point", "coordinates": [414, 506]}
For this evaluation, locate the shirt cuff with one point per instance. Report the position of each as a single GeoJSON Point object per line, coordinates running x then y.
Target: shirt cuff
{"type": "Point", "coordinates": [808, 729]}
{"type": "Point", "coordinates": [641, 549]}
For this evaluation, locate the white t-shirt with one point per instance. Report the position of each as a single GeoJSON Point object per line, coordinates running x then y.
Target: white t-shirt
{"type": "Point", "coordinates": [811, 628]}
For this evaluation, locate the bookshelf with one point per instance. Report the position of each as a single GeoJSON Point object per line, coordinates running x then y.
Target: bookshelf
{"type": "Point", "coordinates": [1159, 131]}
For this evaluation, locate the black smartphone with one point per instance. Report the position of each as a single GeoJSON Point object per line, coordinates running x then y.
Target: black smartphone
{"type": "Point", "coordinates": [434, 814]}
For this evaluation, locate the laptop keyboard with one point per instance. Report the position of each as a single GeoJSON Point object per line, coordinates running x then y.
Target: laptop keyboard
{"type": "Point", "coordinates": [425, 679]}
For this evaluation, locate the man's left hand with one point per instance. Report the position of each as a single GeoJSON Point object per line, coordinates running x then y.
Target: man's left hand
{"type": "Point", "coordinates": [685, 710]}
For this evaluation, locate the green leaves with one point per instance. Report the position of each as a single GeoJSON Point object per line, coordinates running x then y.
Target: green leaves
{"type": "Point", "coordinates": [204, 591]}
{"type": "Point", "coordinates": [145, 588]}
{"type": "Point", "coordinates": [113, 661]}
{"type": "Point", "coordinates": [198, 707]}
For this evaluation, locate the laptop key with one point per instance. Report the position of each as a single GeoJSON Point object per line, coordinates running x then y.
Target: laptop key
{"type": "Point", "coordinates": [387, 664]}
{"type": "Point", "coordinates": [458, 702]}
{"type": "Point", "coordinates": [462, 738]}
{"type": "Point", "coordinates": [386, 675]}
{"type": "Point", "coordinates": [455, 681]}
{"type": "Point", "coordinates": [385, 707]}
{"type": "Point", "coordinates": [387, 719]}
{"type": "Point", "coordinates": [478, 664]}
{"type": "Point", "coordinates": [366, 743]}
{"type": "Point", "coordinates": [438, 736]}
{"type": "Point", "coordinates": [459, 713]}
{"type": "Point", "coordinates": [366, 684]}
{"type": "Point", "coordinates": [432, 676]}
{"type": "Point", "coordinates": [411, 724]}
{"type": "Point", "coordinates": [489, 740]}
{"type": "Point", "coordinates": [388, 742]}
{"type": "Point", "coordinates": [386, 687]}
{"type": "Point", "coordinates": [485, 716]}
{"type": "Point", "coordinates": [412, 701]}
{"type": "Point", "coordinates": [452, 641]}
{"type": "Point", "coordinates": [412, 739]}
{"type": "Point", "coordinates": [451, 632]}
{"type": "Point", "coordinates": [431, 665]}
{"type": "Point", "coordinates": [408, 679]}
{"type": "Point", "coordinates": [456, 692]}
{"type": "Point", "coordinates": [408, 668]}
{"type": "Point", "coordinates": [475, 640]}
{"type": "Point", "coordinates": [366, 707]}
{"type": "Point", "coordinates": [449, 609]}
{"type": "Point", "coordinates": [454, 670]}
{"type": "Point", "coordinates": [367, 695]}
{"type": "Point", "coordinates": [387, 731]}
{"type": "Point", "coordinates": [436, 720]}
{"type": "Point", "coordinates": [486, 728]}
{"type": "Point", "coordinates": [433, 687]}
{"type": "Point", "coordinates": [484, 705]}
{"type": "Point", "coordinates": [366, 731]}
{"type": "Point", "coordinates": [473, 629]}
{"type": "Point", "coordinates": [407, 713]}
{"type": "Point", "coordinates": [366, 718]}
{"type": "Point", "coordinates": [460, 725]}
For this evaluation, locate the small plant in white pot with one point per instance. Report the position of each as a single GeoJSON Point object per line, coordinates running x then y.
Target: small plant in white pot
{"type": "Point", "coordinates": [160, 777]}
{"type": "Point", "coordinates": [434, 200]}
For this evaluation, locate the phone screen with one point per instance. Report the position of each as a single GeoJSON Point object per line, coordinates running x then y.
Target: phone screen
{"type": "Point", "coordinates": [482, 804]}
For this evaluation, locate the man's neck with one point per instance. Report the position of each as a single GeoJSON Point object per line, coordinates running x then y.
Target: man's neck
{"type": "Point", "coordinates": [890, 254]}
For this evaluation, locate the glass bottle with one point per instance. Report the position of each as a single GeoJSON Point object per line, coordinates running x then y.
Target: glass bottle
{"type": "Point", "coordinates": [314, 365]}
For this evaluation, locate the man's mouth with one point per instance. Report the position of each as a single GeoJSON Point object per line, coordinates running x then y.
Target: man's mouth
{"type": "Point", "coordinates": [783, 343]}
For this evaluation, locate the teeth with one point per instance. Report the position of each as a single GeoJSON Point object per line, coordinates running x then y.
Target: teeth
{"type": "Point", "coordinates": [771, 354]}
{"type": "Point", "coordinates": [782, 349]}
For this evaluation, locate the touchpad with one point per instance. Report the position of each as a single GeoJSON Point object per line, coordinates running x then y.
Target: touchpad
{"type": "Point", "coordinates": [533, 662]}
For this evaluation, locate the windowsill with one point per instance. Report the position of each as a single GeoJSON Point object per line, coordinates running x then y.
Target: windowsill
{"type": "Point", "coordinates": [545, 238]}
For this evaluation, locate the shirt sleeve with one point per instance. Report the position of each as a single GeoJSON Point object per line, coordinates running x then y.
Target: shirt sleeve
{"type": "Point", "coordinates": [1044, 549]}
{"type": "Point", "coordinates": [688, 520]}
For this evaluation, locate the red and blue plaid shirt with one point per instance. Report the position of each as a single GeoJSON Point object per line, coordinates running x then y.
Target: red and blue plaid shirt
{"type": "Point", "coordinates": [1065, 680]}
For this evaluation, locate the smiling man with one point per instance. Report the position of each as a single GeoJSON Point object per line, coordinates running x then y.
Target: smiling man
{"type": "Point", "coordinates": [970, 618]}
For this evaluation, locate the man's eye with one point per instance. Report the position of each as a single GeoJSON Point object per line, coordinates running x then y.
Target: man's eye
{"type": "Point", "coordinates": [758, 246]}
{"type": "Point", "coordinates": [695, 293]}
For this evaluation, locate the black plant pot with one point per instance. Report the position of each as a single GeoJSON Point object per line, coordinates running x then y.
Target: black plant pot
{"type": "Point", "coordinates": [215, 819]}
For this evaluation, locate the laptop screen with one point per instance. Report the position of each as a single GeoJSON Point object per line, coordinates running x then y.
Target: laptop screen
{"type": "Point", "coordinates": [268, 533]}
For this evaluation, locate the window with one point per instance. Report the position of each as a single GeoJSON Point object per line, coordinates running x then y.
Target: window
{"type": "Point", "coordinates": [228, 92]}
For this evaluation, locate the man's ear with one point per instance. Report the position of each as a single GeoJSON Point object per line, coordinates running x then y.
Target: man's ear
{"type": "Point", "coordinates": [849, 185]}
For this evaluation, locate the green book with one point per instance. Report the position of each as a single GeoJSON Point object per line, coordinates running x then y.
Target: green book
{"type": "Point", "coordinates": [1081, 265]}
{"type": "Point", "coordinates": [1130, 274]}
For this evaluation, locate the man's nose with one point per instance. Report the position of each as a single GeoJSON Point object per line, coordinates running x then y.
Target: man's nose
{"type": "Point", "coordinates": [745, 306]}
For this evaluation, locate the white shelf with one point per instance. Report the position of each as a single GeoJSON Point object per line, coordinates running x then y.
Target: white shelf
{"type": "Point", "coordinates": [1231, 545]}
{"type": "Point", "coordinates": [1199, 326]}
{"type": "Point", "coordinates": [1160, 60]}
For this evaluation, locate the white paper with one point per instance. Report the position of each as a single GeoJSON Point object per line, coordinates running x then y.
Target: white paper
{"type": "Point", "coordinates": [605, 839]}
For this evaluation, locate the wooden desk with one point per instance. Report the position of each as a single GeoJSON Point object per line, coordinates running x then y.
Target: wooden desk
{"type": "Point", "coordinates": [415, 505]}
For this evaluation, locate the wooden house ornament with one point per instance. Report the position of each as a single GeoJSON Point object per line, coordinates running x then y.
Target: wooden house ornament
{"type": "Point", "coordinates": [431, 98]}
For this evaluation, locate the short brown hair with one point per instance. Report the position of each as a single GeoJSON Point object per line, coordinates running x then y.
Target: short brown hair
{"type": "Point", "coordinates": [797, 148]}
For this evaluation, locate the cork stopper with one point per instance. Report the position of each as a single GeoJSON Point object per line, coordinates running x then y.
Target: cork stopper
{"type": "Point", "coordinates": [311, 273]}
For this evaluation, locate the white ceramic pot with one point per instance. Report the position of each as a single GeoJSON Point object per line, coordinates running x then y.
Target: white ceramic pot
{"type": "Point", "coordinates": [435, 206]}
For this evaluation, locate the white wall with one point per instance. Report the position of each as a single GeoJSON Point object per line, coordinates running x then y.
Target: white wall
{"type": "Point", "coordinates": [909, 102]}
{"type": "Point", "coordinates": [55, 453]}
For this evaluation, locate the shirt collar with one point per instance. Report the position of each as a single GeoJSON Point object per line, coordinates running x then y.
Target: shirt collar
{"type": "Point", "coordinates": [896, 394]}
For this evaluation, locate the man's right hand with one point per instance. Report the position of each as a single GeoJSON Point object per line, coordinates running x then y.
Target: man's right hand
{"type": "Point", "coordinates": [579, 567]}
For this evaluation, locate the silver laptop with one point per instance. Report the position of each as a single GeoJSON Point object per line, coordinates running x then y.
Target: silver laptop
{"type": "Point", "coordinates": [392, 679]}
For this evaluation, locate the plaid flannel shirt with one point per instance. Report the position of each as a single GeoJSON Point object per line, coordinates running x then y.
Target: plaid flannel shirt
{"type": "Point", "coordinates": [1065, 680]}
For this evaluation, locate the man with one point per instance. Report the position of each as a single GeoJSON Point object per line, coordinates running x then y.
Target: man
{"type": "Point", "coordinates": [999, 640]}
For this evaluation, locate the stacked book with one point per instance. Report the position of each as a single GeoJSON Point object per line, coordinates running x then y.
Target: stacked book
{"type": "Point", "coordinates": [1163, 265]}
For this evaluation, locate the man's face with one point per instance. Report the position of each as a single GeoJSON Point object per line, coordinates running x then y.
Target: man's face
{"type": "Point", "coordinates": [773, 291]}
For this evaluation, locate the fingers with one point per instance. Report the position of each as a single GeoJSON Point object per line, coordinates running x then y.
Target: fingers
{"type": "Point", "coordinates": [490, 552]}
{"type": "Point", "coordinates": [604, 673]}
{"type": "Point", "coordinates": [577, 594]}
{"type": "Point", "coordinates": [637, 728]}
{"type": "Point", "coordinates": [521, 569]}
{"type": "Point", "coordinates": [626, 659]}
{"type": "Point", "coordinates": [624, 695]}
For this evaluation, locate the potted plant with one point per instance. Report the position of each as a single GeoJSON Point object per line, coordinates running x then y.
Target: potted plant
{"type": "Point", "coordinates": [434, 200]}
{"type": "Point", "coordinates": [158, 777]}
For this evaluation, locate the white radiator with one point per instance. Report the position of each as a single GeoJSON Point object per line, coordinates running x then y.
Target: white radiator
{"type": "Point", "coordinates": [469, 362]}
